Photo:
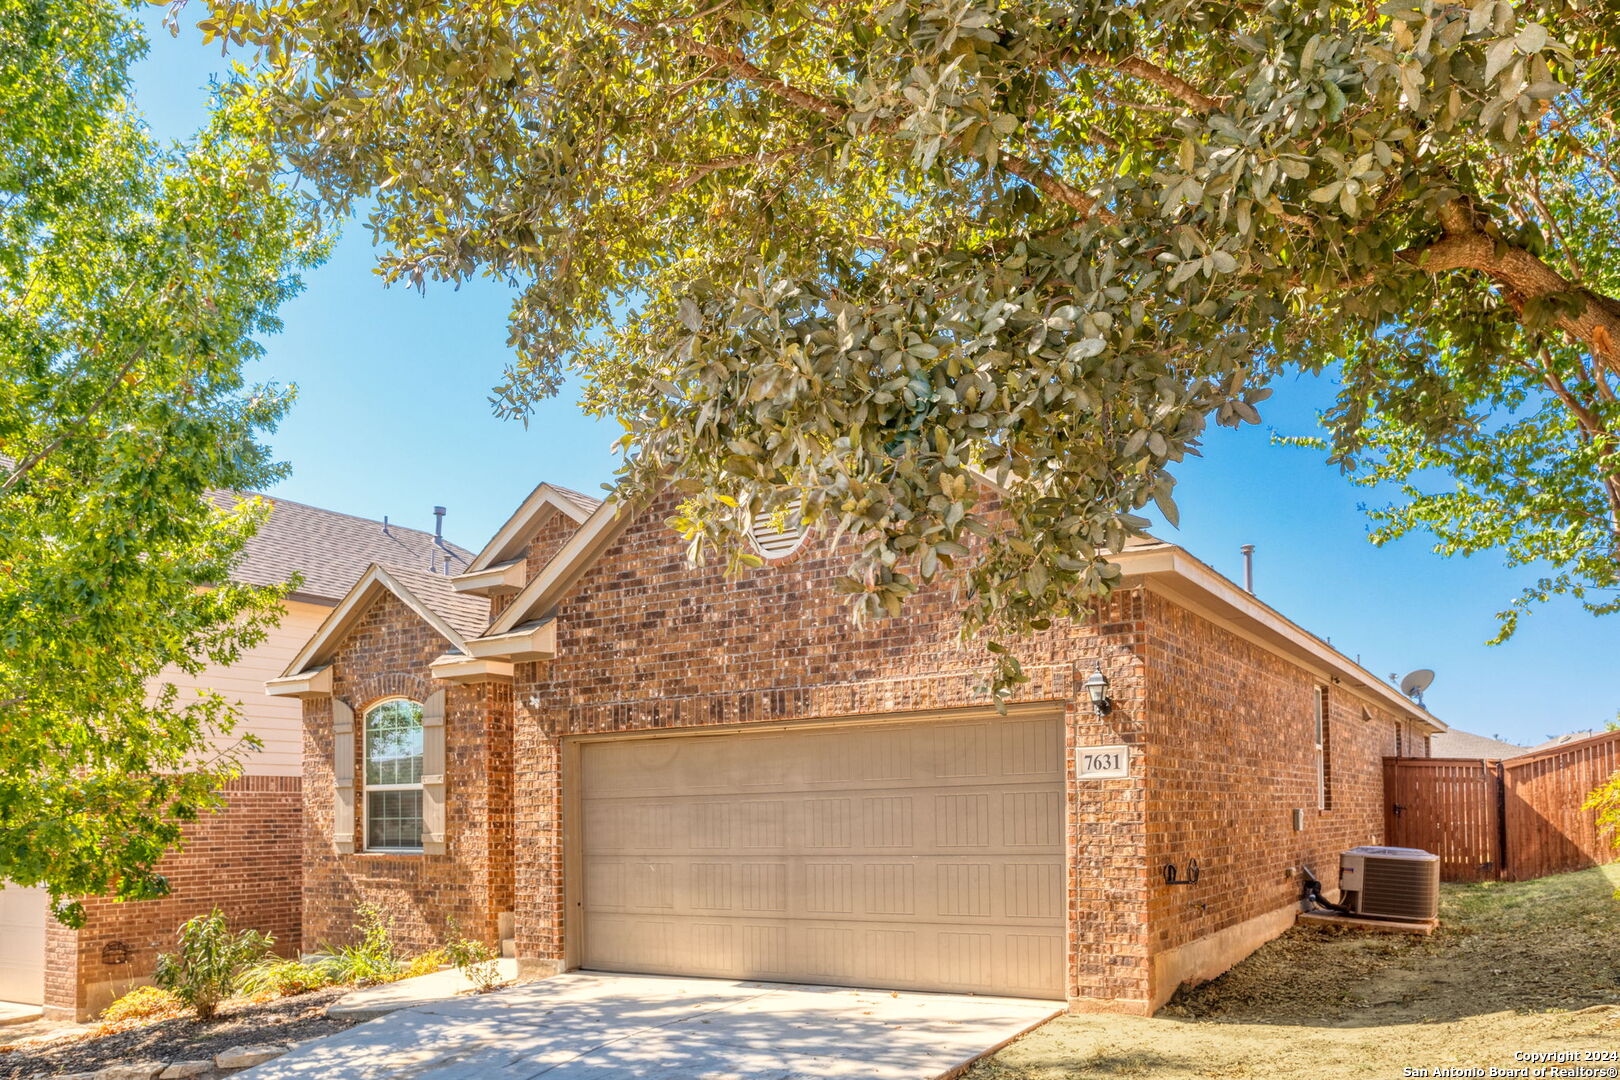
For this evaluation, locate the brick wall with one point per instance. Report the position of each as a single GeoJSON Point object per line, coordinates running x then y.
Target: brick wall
{"type": "Point", "coordinates": [1231, 755]}
{"type": "Point", "coordinates": [1222, 729]}
{"type": "Point", "coordinates": [647, 641]}
{"type": "Point", "coordinates": [385, 655]}
{"type": "Point", "coordinates": [245, 860]}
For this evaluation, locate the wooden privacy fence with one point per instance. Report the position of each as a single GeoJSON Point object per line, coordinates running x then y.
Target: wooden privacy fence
{"type": "Point", "coordinates": [1514, 819]}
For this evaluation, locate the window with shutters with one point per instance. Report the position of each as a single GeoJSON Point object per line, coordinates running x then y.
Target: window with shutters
{"type": "Point", "coordinates": [393, 777]}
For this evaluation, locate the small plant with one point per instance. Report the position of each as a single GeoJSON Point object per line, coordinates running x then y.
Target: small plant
{"type": "Point", "coordinates": [143, 1003]}
{"type": "Point", "coordinates": [272, 977]}
{"type": "Point", "coordinates": [204, 971]}
{"type": "Point", "coordinates": [475, 960]}
{"type": "Point", "coordinates": [372, 959]}
{"type": "Point", "coordinates": [425, 964]}
{"type": "Point", "coordinates": [1606, 801]}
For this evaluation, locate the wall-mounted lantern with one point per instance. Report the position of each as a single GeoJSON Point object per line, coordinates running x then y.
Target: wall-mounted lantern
{"type": "Point", "coordinates": [1096, 685]}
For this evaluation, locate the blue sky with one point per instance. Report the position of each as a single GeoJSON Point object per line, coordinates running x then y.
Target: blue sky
{"type": "Point", "coordinates": [393, 417]}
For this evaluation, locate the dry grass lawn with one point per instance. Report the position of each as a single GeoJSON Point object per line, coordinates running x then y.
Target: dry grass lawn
{"type": "Point", "coordinates": [1517, 967]}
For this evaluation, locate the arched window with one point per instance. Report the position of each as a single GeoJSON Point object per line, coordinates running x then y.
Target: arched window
{"type": "Point", "coordinates": [393, 758]}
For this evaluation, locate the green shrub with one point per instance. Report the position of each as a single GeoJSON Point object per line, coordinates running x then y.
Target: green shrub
{"type": "Point", "coordinates": [142, 1003]}
{"type": "Point", "coordinates": [425, 964]}
{"type": "Point", "coordinates": [203, 972]}
{"type": "Point", "coordinates": [1606, 801]}
{"type": "Point", "coordinates": [476, 961]}
{"type": "Point", "coordinates": [372, 959]}
{"type": "Point", "coordinates": [274, 977]}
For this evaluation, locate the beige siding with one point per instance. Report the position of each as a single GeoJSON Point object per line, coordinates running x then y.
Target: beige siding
{"type": "Point", "coordinates": [276, 721]}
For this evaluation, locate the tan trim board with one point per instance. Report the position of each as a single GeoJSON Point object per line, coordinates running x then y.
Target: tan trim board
{"type": "Point", "coordinates": [316, 682]}
{"type": "Point", "coordinates": [458, 669]}
{"type": "Point", "coordinates": [499, 580]}
{"type": "Point", "coordinates": [537, 641]}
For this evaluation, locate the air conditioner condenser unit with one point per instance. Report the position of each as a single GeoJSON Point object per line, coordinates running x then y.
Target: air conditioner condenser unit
{"type": "Point", "coordinates": [1390, 883]}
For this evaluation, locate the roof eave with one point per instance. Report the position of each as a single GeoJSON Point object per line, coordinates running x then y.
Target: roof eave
{"type": "Point", "coordinates": [1187, 580]}
{"type": "Point", "coordinates": [502, 579]}
{"type": "Point", "coordinates": [536, 641]}
{"type": "Point", "coordinates": [544, 497]}
{"type": "Point", "coordinates": [315, 682]}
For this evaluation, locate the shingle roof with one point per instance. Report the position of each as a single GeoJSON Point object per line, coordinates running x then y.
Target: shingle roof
{"type": "Point", "coordinates": [331, 550]}
{"type": "Point", "coordinates": [585, 502]}
{"type": "Point", "coordinates": [468, 614]}
{"type": "Point", "coordinates": [1560, 740]}
{"type": "Point", "coordinates": [1465, 744]}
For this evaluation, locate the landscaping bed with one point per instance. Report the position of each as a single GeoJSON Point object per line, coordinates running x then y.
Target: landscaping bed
{"type": "Point", "coordinates": [1516, 967]}
{"type": "Point", "coordinates": [179, 1038]}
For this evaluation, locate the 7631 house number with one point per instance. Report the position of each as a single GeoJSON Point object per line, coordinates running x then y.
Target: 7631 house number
{"type": "Point", "coordinates": [1102, 762]}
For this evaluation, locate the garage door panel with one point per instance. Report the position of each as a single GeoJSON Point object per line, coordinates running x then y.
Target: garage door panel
{"type": "Point", "coordinates": [863, 888]}
{"type": "Point", "coordinates": [1007, 815]}
{"type": "Point", "coordinates": [902, 956]}
{"type": "Point", "coordinates": [920, 855]}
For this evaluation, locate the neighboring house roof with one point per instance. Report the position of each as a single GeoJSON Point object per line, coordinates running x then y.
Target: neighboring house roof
{"type": "Point", "coordinates": [1557, 741]}
{"type": "Point", "coordinates": [331, 550]}
{"type": "Point", "coordinates": [1465, 744]}
{"type": "Point", "coordinates": [454, 616]}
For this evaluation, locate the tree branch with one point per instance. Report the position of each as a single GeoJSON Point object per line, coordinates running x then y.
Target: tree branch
{"type": "Point", "coordinates": [836, 111]}
{"type": "Point", "coordinates": [736, 161]}
{"type": "Point", "coordinates": [1523, 277]}
{"type": "Point", "coordinates": [1173, 85]}
{"type": "Point", "coordinates": [22, 468]}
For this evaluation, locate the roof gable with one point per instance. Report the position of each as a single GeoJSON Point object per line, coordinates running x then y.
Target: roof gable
{"type": "Point", "coordinates": [453, 616]}
{"type": "Point", "coordinates": [511, 538]}
{"type": "Point", "coordinates": [598, 531]}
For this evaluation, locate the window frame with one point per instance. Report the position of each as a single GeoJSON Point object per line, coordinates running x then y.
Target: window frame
{"type": "Point", "coordinates": [1324, 799]}
{"type": "Point", "coordinates": [367, 787]}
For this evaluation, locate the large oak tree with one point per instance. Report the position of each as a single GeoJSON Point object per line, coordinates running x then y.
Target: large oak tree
{"type": "Point", "coordinates": [850, 253]}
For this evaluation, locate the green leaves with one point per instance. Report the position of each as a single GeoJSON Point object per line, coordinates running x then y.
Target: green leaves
{"type": "Point", "coordinates": [849, 256]}
{"type": "Point", "coordinates": [133, 283]}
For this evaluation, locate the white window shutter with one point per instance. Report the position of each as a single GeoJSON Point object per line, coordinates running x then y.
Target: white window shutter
{"type": "Point", "coordinates": [343, 775]}
{"type": "Point", "coordinates": [433, 774]}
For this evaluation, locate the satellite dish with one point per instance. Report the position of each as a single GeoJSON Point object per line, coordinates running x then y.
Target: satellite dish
{"type": "Point", "coordinates": [1415, 683]}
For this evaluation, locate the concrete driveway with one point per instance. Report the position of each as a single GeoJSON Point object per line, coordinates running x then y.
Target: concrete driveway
{"type": "Point", "coordinates": [589, 1026]}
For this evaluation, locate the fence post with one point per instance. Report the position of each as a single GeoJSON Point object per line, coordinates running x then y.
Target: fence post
{"type": "Point", "coordinates": [1501, 824]}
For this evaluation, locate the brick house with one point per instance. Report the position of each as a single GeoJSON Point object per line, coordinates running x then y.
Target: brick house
{"type": "Point", "coordinates": [638, 765]}
{"type": "Point", "coordinates": [247, 858]}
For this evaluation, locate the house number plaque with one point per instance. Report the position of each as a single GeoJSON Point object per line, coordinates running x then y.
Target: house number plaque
{"type": "Point", "coordinates": [1102, 762]}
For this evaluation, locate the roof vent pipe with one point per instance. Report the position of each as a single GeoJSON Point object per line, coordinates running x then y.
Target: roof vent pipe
{"type": "Point", "coordinates": [385, 526]}
{"type": "Point", "coordinates": [1248, 568]}
{"type": "Point", "coordinates": [438, 525]}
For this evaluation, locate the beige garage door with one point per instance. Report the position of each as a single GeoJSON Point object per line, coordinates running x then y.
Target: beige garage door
{"type": "Point", "coordinates": [22, 944]}
{"type": "Point", "coordinates": [925, 855]}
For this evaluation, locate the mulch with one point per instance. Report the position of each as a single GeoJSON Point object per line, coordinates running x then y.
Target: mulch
{"type": "Point", "coordinates": [278, 1020]}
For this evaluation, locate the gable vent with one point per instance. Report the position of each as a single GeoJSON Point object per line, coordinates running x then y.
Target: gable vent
{"type": "Point", "coordinates": [779, 543]}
